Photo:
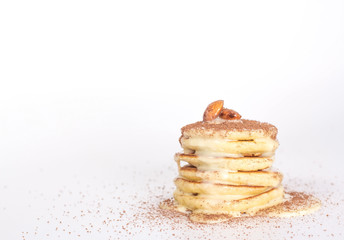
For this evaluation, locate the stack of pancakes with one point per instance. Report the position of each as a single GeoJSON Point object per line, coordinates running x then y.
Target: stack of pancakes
{"type": "Point", "coordinates": [227, 167]}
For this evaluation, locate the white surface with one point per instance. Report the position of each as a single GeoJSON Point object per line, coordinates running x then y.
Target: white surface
{"type": "Point", "coordinates": [93, 94]}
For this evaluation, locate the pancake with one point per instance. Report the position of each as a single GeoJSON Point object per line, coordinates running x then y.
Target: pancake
{"type": "Point", "coordinates": [249, 205]}
{"type": "Point", "coordinates": [226, 163]}
{"type": "Point", "coordinates": [221, 146]}
{"type": "Point", "coordinates": [209, 218]}
{"type": "Point", "coordinates": [242, 129]}
{"type": "Point", "coordinates": [258, 178]}
{"type": "Point", "coordinates": [207, 188]}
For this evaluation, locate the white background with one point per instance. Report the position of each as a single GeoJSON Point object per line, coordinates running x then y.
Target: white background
{"type": "Point", "coordinates": [94, 93]}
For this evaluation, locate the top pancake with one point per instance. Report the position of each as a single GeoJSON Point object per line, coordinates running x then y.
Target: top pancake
{"type": "Point", "coordinates": [242, 129]}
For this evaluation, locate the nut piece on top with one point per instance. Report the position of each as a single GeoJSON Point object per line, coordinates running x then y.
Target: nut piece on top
{"type": "Point", "coordinates": [229, 114]}
{"type": "Point", "coordinates": [213, 110]}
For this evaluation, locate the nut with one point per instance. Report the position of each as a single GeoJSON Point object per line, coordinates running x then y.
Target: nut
{"type": "Point", "coordinates": [213, 110]}
{"type": "Point", "coordinates": [229, 114]}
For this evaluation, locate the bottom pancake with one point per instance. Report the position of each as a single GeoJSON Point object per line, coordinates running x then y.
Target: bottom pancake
{"type": "Point", "coordinates": [249, 205]}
